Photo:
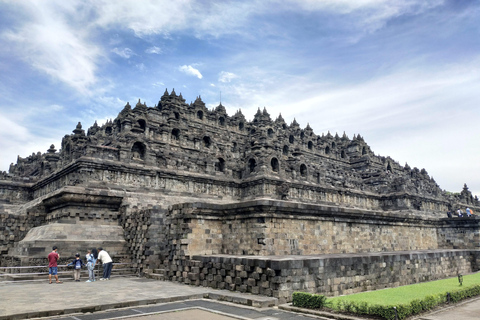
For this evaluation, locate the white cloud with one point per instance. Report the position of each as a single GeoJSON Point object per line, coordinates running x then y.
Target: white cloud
{"type": "Point", "coordinates": [124, 53]}
{"type": "Point", "coordinates": [190, 71]}
{"type": "Point", "coordinates": [151, 17]}
{"type": "Point", "coordinates": [54, 108]}
{"type": "Point", "coordinates": [49, 41]}
{"type": "Point", "coordinates": [154, 50]}
{"type": "Point", "coordinates": [18, 140]}
{"type": "Point", "coordinates": [225, 76]}
{"type": "Point", "coordinates": [58, 38]}
{"type": "Point", "coordinates": [369, 14]}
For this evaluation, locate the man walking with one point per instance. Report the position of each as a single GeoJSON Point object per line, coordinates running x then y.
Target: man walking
{"type": "Point", "coordinates": [52, 265]}
{"type": "Point", "coordinates": [106, 262]}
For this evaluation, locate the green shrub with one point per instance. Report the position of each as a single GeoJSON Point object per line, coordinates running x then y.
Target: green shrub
{"type": "Point", "coordinates": [406, 309]}
{"type": "Point", "coordinates": [464, 293]}
{"type": "Point", "coordinates": [308, 300]}
{"type": "Point", "coordinates": [387, 311]}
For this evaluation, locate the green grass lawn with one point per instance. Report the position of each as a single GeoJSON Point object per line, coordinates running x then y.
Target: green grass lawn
{"type": "Point", "coordinates": [405, 294]}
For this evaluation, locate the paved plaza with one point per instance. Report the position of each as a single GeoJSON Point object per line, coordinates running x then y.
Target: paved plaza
{"type": "Point", "coordinates": [146, 299]}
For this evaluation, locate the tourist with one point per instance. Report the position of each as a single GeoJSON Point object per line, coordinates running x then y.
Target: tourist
{"type": "Point", "coordinates": [469, 213]}
{"type": "Point", "coordinates": [459, 212]}
{"type": "Point", "coordinates": [91, 259]}
{"type": "Point", "coordinates": [449, 213]}
{"type": "Point", "coordinates": [52, 265]}
{"type": "Point", "coordinates": [106, 262]}
{"type": "Point", "coordinates": [77, 264]}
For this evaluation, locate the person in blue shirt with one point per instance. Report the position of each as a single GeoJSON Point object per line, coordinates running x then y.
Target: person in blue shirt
{"type": "Point", "coordinates": [77, 267]}
{"type": "Point", "coordinates": [91, 258]}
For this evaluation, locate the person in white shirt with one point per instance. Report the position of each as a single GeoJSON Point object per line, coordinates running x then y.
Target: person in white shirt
{"type": "Point", "coordinates": [106, 262]}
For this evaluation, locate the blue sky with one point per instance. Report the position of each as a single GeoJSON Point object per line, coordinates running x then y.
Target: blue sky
{"type": "Point", "coordinates": [403, 74]}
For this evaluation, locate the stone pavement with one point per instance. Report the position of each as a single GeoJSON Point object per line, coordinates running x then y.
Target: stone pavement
{"type": "Point", "coordinates": [41, 299]}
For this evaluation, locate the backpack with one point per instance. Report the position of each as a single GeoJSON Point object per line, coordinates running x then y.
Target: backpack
{"type": "Point", "coordinates": [78, 264]}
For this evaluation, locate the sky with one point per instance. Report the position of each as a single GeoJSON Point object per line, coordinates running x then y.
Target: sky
{"type": "Point", "coordinates": [404, 74]}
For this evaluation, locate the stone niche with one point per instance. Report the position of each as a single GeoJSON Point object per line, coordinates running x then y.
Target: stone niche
{"type": "Point", "coordinates": [75, 222]}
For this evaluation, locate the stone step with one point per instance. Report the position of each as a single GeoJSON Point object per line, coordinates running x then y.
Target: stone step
{"type": "Point", "coordinates": [256, 301]}
{"type": "Point", "coordinates": [64, 275]}
{"type": "Point", "coordinates": [159, 271]}
{"type": "Point", "coordinates": [155, 276]}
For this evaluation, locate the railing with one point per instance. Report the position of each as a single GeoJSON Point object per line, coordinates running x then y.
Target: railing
{"type": "Point", "coordinates": [15, 274]}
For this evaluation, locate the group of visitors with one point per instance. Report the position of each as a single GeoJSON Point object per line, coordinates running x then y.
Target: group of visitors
{"type": "Point", "coordinates": [91, 258]}
{"type": "Point", "coordinates": [460, 213]}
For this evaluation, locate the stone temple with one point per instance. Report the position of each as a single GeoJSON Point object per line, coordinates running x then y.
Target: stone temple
{"type": "Point", "coordinates": [196, 196]}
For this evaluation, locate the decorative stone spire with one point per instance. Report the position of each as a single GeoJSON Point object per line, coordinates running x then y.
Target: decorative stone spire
{"type": "Point", "coordinates": [126, 109]}
{"type": "Point", "coordinates": [78, 130]}
{"type": "Point", "coordinates": [279, 119]}
{"type": "Point", "coordinates": [295, 124]}
{"type": "Point", "coordinates": [52, 149]}
{"type": "Point", "coordinates": [265, 113]}
{"type": "Point", "coordinates": [199, 103]}
{"type": "Point", "coordinates": [220, 109]}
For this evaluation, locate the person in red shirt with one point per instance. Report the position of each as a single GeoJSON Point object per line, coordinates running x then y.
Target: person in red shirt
{"type": "Point", "coordinates": [52, 265]}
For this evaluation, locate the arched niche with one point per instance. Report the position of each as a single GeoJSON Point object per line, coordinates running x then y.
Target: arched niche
{"type": "Point", "coordinates": [275, 165]}
{"type": "Point", "coordinates": [303, 170]}
{"type": "Point", "coordinates": [207, 142]}
{"type": "Point", "coordinates": [176, 134]}
{"type": "Point", "coordinates": [220, 165]}
{"type": "Point", "coordinates": [270, 132]}
{"type": "Point", "coordinates": [252, 164]}
{"type": "Point", "coordinates": [142, 124]}
{"type": "Point", "coordinates": [200, 114]}
{"type": "Point", "coordinates": [389, 167]}
{"type": "Point", "coordinates": [138, 151]}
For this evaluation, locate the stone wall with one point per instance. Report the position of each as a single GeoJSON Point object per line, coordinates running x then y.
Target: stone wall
{"type": "Point", "coordinates": [15, 192]}
{"type": "Point", "coordinates": [267, 227]}
{"type": "Point", "coordinates": [101, 173]}
{"type": "Point", "coordinates": [459, 233]}
{"type": "Point", "coordinates": [13, 228]}
{"type": "Point", "coordinates": [331, 275]}
{"type": "Point", "coordinates": [267, 243]}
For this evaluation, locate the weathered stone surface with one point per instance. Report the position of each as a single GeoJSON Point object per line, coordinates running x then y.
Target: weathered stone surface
{"type": "Point", "coordinates": [174, 186]}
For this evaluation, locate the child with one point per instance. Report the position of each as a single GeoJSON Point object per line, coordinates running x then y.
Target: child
{"type": "Point", "coordinates": [77, 267]}
{"type": "Point", "coordinates": [90, 265]}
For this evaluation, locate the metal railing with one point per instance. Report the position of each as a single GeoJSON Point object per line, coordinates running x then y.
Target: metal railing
{"type": "Point", "coordinates": [24, 273]}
